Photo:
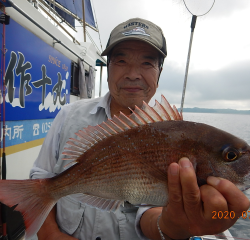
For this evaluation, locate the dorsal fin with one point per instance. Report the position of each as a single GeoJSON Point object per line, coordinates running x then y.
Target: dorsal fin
{"type": "Point", "coordinates": [120, 122]}
{"type": "Point", "coordinates": [151, 112]}
{"type": "Point", "coordinates": [128, 120]}
{"type": "Point", "coordinates": [91, 135]}
{"type": "Point", "coordinates": [137, 117]}
{"type": "Point", "coordinates": [165, 104]}
{"type": "Point", "coordinates": [161, 111]}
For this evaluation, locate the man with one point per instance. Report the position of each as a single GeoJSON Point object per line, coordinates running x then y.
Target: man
{"type": "Point", "coordinates": [136, 50]}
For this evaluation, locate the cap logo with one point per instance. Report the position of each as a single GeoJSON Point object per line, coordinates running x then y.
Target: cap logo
{"type": "Point", "coordinates": [136, 31]}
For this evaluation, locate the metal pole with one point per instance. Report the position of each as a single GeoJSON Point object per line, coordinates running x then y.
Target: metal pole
{"type": "Point", "coordinates": [83, 21]}
{"type": "Point", "coordinates": [3, 165]}
{"type": "Point", "coordinates": [100, 87]}
{"type": "Point", "coordinates": [188, 59]}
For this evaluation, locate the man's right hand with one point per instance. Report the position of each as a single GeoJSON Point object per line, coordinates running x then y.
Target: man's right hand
{"type": "Point", "coordinates": [50, 231]}
{"type": "Point", "coordinates": [55, 236]}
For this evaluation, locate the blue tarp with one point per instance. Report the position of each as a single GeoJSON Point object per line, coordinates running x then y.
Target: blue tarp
{"type": "Point", "coordinates": [6, 3]}
{"type": "Point", "coordinates": [75, 6]}
{"type": "Point", "coordinates": [66, 16]}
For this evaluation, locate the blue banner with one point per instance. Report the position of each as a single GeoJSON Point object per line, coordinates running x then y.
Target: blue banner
{"type": "Point", "coordinates": [17, 132]}
{"type": "Point", "coordinates": [37, 77]}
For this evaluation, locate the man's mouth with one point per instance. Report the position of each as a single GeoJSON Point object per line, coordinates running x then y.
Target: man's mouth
{"type": "Point", "coordinates": [134, 89]}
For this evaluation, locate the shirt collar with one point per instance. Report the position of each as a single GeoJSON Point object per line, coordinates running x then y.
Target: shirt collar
{"type": "Point", "coordinates": [103, 103]}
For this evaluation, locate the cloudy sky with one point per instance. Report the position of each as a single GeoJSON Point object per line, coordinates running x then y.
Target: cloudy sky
{"type": "Point", "coordinates": [219, 71]}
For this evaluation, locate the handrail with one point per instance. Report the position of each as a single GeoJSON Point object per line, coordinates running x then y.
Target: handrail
{"type": "Point", "coordinates": [43, 29]}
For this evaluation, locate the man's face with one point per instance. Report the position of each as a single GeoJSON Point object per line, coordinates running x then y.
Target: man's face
{"type": "Point", "coordinates": [133, 74]}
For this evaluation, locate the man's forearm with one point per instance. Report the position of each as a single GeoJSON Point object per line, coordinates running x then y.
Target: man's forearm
{"type": "Point", "coordinates": [148, 223]}
{"type": "Point", "coordinates": [49, 226]}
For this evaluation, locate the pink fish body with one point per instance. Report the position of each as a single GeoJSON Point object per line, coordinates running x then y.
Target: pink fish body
{"type": "Point", "coordinates": [126, 159]}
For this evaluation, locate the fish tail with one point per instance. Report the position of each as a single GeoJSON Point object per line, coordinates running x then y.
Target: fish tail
{"type": "Point", "coordinates": [29, 197]}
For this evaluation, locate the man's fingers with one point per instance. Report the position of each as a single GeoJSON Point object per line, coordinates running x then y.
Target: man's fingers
{"type": "Point", "coordinates": [190, 188]}
{"type": "Point", "coordinates": [213, 202]}
{"type": "Point", "coordinates": [173, 215]}
{"type": "Point", "coordinates": [174, 185]}
{"type": "Point", "coordinates": [231, 193]}
{"type": "Point", "coordinates": [221, 200]}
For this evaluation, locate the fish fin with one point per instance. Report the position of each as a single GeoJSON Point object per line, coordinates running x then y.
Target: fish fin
{"type": "Point", "coordinates": [155, 116]}
{"type": "Point", "coordinates": [128, 120]}
{"type": "Point", "coordinates": [104, 204]}
{"type": "Point", "coordinates": [29, 198]}
{"type": "Point", "coordinates": [172, 112]}
{"type": "Point", "coordinates": [122, 123]}
{"type": "Point", "coordinates": [137, 116]}
{"type": "Point", "coordinates": [91, 135]}
{"type": "Point", "coordinates": [70, 164]}
{"type": "Point", "coordinates": [161, 111]}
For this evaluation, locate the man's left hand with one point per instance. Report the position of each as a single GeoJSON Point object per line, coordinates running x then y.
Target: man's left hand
{"type": "Point", "coordinates": [193, 211]}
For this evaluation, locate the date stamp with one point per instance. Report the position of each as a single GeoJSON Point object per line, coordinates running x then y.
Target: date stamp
{"type": "Point", "coordinates": [229, 215]}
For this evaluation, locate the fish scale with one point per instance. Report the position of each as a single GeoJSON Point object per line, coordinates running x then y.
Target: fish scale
{"type": "Point", "coordinates": [126, 159]}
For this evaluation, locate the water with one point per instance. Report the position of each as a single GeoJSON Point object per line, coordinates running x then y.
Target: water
{"type": "Point", "coordinates": [239, 125]}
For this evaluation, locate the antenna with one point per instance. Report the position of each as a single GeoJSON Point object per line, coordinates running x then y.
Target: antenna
{"type": "Point", "coordinates": [193, 22]}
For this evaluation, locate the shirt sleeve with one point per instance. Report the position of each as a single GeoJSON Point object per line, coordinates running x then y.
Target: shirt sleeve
{"type": "Point", "coordinates": [49, 153]}
{"type": "Point", "coordinates": [138, 230]}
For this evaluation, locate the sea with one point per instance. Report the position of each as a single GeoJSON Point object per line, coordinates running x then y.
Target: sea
{"type": "Point", "coordinates": [238, 125]}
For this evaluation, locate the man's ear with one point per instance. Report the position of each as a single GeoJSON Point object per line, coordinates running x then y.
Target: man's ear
{"type": "Point", "coordinates": [107, 72]}
{"type": "Point", "coordinates": [159, 76]}
{"type": "Point", "coordinates": [160, 71]}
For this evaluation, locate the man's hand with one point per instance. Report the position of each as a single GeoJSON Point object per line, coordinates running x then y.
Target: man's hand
{"type": "Point", "coordinates": [56, 236]}
{"type": "Point", "coordinates": [190, 208]}
{"type": "Point", "coordinates": [50, 231]}
{"type": "Point", "coordinates": [189, 211]}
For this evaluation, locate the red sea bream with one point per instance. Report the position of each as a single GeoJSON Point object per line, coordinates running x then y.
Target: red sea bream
{"type": "Point", "coordinates": [126, 159]}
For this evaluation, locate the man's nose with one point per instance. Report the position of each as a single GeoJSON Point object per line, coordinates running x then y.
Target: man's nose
{"type": "Point", "coordinates": [133, 72]}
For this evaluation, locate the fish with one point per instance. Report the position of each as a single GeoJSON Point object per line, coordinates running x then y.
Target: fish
{"type": "Point", "coordinates": [126, 158]}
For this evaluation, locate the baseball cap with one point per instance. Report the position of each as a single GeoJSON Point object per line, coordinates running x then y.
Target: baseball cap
{"type": "Point", "coordinates": [137, 29]}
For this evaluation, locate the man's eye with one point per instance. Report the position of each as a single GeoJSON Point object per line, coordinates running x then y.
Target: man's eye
{"type": "Point", "coordinates": [147, 63]}
{"type": "Point", "coordinates": [121, 61]}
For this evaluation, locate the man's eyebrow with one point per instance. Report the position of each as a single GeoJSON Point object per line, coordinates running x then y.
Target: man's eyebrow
{"type": "Point", "coordinates": [150, 57]}
{"type": "Point", "coordinates": [118, 54]}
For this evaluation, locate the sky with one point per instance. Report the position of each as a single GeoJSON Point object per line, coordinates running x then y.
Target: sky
{"type": "Point", "coordinates": [219, 69]}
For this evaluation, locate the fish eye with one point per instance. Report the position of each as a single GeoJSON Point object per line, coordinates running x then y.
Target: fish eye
{"type": "Point", "coordinates": [230, 154]}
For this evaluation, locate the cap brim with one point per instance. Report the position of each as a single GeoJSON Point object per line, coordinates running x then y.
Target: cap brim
{"type": "Point", "coordinates": [107, 50]}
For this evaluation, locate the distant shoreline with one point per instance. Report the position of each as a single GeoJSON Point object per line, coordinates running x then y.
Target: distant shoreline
{"type": "Point", "coordinates": [208, 110]}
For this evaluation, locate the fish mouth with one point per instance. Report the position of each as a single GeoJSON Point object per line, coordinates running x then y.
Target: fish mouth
{"type": "Point", "coordinates": [243, 188]}
{"type": "Point", "coordinates": [245, 184]}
